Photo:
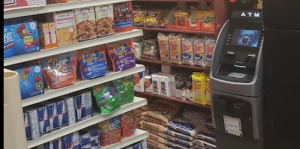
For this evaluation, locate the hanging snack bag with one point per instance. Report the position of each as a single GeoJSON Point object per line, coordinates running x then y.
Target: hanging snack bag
{"type": "Point", "coordinates": [162, 110]}
{"type": "Point", "coordinates": [150, 50]}
{"type": "Point", "coordinates": [148, 84]}
{"type": "Point", "coordinates": [85, 23]}
{"type": "Point", "coordinates": [92, 62]}
{"type": "Point", "coordinates": [104, 20]}
{"type": "Point", "coordinates": [209, 18]}
{"type": "Point", "coordinates": [139, 82]}
{"type": "Point", "coordinates": [60, 70]}
{"type": "Point", "coordinates": [199, 16]}
{"type": "Point", "coordinates": [164, 49]}
{"type": "Point", "coordinates": [123, 16]}
{"type": "Point", "coordinates": [188, 51]}
{"type": "Point", "coordinates": [110, 131]}
{"type": "Point", "coordinates": [209, 50]}
{"type": "Point", "coordinates": [127, 124]}
{"type": "Point", "coordinates": [106, 97]}
{"type": "Point", "coordinates": [121, 54]}
{"type": "Point", "coordinates": [175, 48]}
{"type": "Point", "coordinates": [199, 52]}
{"type": "Point", "coordinates": [139, 17]}
{"type": "Point", "coordinates": [199, 87]}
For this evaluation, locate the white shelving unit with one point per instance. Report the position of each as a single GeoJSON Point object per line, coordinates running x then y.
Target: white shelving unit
{"type": "Point", "coordinates": [73, 47]}
{"type": "Point", "coordinates": [139, 135]}
{"type": "Point", "coordinates": [14, 13]}
{"type": "Point", "coordinates": [52, 93]}
{"type": "Point", "coordinates": [138, 102]}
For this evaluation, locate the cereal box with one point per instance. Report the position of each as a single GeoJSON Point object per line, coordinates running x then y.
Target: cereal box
{"type": "Point", "coordinates": [9, 45]}
{"type": "Point", "coordinates": [85, 23]}
{"type": "Point", "coordinates": [123, 16]}
{"type": "Point", "coordinates": [52, 31]}
{"type": "Point", "coordinates": [31, 81]}
{"type": "Point", "coordinates": [104, 20]}
{"type": "Point", "coordinates": [66, 32]}
{"type": "Point", "coordinates": [44, 34]}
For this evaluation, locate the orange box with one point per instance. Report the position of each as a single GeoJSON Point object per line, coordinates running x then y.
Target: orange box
{"type": "Point", "coordinates": [53, 39]}
{"type": "Point", "coordinates": [43, 29]}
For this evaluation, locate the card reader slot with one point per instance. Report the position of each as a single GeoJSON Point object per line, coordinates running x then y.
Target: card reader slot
{"type": "Point", "coordinates": [236, 73]}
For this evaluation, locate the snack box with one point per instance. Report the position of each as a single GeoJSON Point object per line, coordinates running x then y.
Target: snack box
{"type": "Point", "coordinates": [85, 23]}
{"type": "Point", "coordinates": [20, 38]}
{"type": "Point", "coordinates": [52, 30]}
{"type": "Point", "coordinates": [30, 79]}
{"type": "Point", "coordinates": [44, 33]}
{"type": "Point", "coordinates": [104, 20]}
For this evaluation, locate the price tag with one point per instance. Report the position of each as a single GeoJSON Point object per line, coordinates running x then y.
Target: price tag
{"type": "Point", "coordinates": [233, 125]}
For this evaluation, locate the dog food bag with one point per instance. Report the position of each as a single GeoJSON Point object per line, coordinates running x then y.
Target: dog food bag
{"type": "Point", "coordinates": [158, 133]}
{"type": "Point", "coordinates": [162, 110]}
{"type": "Point", "coordinates": [85, 23]}
{"type": "Point", "coordinates": [153, 126]}
{"type": "Point", "coordinates": [206, 138]}
{"type": "Point", "coordinates": [185, 126]}
{"type": "Point", "coordinates": [104, 20]}
{"type": "Point", "coordinates": [187, 51]}
{"type": "Point", "coordinates": [148, 84]}
{"type": "Point", "coordinates": [121, 54]}
{"type": "Point", "coordinates": [123, 16]}
{"type": "Point", "coordinates": [150, 49]}
{"type": "Point", "coordinates": [110, 131]}
{"type": "Point", "coordinates": [139, 82]}
{"type": "Point", "coordinates": [60, 70]}
{"type": "Point", "coordinates": [189, 88]}
{"type": "Point", "coordinates": [175, 48]}
{"type": "Point", "coordinates": [92, 62]}
{"type": "Point", "coordinates": [209, 50]}
{"type": "Point", "coordinates": [199, 87]}
{"type": "Point", "coordinates": [174, 140]}
{"type": "Point", "coordinates": [173, 133]}
{"type": "Point", "coordinates": [156, 84]}
{"type": "Point", "coordinates": [106, 97]}
{"type": "Point", "coordinates": [157, 138]}
{"type": "Point", "coordinates": [154, 120]}
{"type": "Point", "coordinates": [199, 51]}
{"type": "Point", "coordinates": [203, 144]}
{"type": "Point", "coordinates": [155, 144]}
{"type": "Point", "coordinates": [127, 124]}
{"type": "Point", "coordinates": [164, 47]}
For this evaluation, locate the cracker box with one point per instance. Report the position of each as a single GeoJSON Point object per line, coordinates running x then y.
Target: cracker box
{"type": "Point", "coordinates": [66, 32]}
{"type": "Point", "coordinates": [85, 23]}
{"type": "Point", "coordinates": [44, 34]}
{"type": "Point", "coordinates": [104, 20]}
{"type": "Point", "coordinates": [31, 81]}
{"type": "Point", "coordinates": [8, 45]}
{"type": "Point", "coordinates": [52, 31]}
{"type": "Point", "coordinates": [20, 4]}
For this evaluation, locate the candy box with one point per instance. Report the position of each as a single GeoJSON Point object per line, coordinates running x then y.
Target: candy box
{"type": "Point", "coordinates": [31, 81]}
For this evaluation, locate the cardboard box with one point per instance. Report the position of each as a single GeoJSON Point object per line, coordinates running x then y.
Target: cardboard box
{"type": "Point", "coordinates": [52, 30]}
{"type": "Point", "coordinates": [44, 33]}
{"type": "Point", "coordinates": [104, 20]}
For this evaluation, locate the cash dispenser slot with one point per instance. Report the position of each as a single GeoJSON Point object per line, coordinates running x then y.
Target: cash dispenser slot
{"type": "Point", "coordinates": [236, 73]}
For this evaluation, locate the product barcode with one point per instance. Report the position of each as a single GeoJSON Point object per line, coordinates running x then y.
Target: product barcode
{"type": "Point", "coordinates": [9, 2]}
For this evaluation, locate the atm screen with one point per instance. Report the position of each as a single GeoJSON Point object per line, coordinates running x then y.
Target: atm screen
{"type": "Point", "coordinates": [243, 37]}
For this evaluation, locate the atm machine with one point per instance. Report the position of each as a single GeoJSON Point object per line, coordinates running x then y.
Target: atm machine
{"type": "Point", "coordinates": [236, 82]}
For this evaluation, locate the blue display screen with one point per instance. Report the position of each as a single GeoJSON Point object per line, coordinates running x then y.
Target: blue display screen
{"type": "Point", "coordinates": [248, 38]}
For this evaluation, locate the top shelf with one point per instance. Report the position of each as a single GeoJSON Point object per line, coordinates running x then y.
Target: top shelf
{"type": "Point", "coordinates": [14, 13]}
{"type": "Point", "coordinates": [174, 0]}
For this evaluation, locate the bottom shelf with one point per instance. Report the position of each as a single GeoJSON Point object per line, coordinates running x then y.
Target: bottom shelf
{"type": "Point", "coordinates": [139, 135]}
{"type": "Point", "coordinates": [145, 95]}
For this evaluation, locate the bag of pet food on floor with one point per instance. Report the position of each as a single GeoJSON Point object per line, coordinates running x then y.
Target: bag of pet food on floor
{"type": "Point", "coordinates": [173, 133]}
{"type": "Point", "coordinates": [153, 126]}
{"type": "Point", "coordinates": [157, 138]}
{"type": "Point", "coordinates": [154, 120]}
{"type": "Point", "coordinates": [203, 144]}
{"type": "Point", "coordinates": [155, 145]}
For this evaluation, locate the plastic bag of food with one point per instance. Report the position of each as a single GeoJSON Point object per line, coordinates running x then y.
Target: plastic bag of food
{"type": "Point", "coordinates": [209, 50]}
{"type": "Point", "coordinates": [179, 141]}
{"type": "Point", "coordinates": [188, 51]}
{"type": "Point", "coordinates": [155, 144]}
{"type": "Point", "coordinates": [206, 138]}
{"type": "Point", "coordinates": [175, 48]}
{"type": "Point", "coordinates": [164, 49]}
{"type": "Point", "coordinates": [199, 88]}
{"type": "Point", "coordinates": [203, 144]}
{"type": "Point", "coordinates": [153, 126]}
{"type": "Point", "coordinates": [199, 51]}
{"type": "Point", "coordinates": [185, 126]}
{"type": "Point", "coordinates": [60, 70]}
{"type": "Point", "coordinates": [162, 110]}
{"type": "Point", "coordinates": [139, 17]}
{"type": "Point", "coordinates": [151, 18]}
{"type": "Point", "coordinates": [150, 50]}
{"type": "Point", "coordinates": [123, 17]}
{"type": "Point", "coordinates": [106, 97]}
{"type": "Point", "coordinates": [173, 133]}
{"type": "Point", "coordinates": [127, 123]}
{"type": "Point", "coordinates": [157, 138]}
{"type": "Point", "coordinates": [110, 131]}
{"type": "Point", "coordinates": [125, 89]}
{"type": "Point", "coordinates": [92, 62]}
{"type": "Point", "coordinates": [153, 120]}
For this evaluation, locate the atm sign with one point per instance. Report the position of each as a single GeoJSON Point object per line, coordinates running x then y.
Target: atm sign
{"type": "Point", "coordinates": [250, 14]}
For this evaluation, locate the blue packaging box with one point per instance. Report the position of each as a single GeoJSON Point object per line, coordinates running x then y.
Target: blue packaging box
{"type": "Point", "coordinates": [27, 126]}
{"type": "Point", "coordinates": [71, 141]}
{"type": "Point", "coordinates": [43, 120]}
{"type": "Point", "coordinates": [31, 81]}
{"type": "Point", "coordinates": [88, 135]}
{"type": "Point", "coordinates": [54, 144]}
{"type": "Point", "coordinates": [92, 145]}
{"type": "Point", "coordinates": [62, 113]}
{"type": "Point", "coordinates": [21, 38]}
{"type": "Point", "coordinates": [83, 105]}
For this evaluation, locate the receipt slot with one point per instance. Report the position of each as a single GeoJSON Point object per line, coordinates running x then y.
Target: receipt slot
{"type": "Point", "coordinates": [236, 82]}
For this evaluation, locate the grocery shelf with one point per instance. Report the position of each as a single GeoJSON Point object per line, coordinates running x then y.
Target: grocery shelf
{"type": "Point", "coordinates": [145, 94]}
{"type": "Point", "coordinates": [174, 30]}
{"type": "Point", "coordinates": [139, 135]}
{"type": "Point", "coordinates": [73, 47]}
{"type": "Point", "coordinates": [147, 61]}
{"type": "Point", "coordinates": [81, 84]}
{"type": "Point", "coordinates": [138, 102]}
{"type": "Point", "coordinates": [14, 13]}
{"type": "Point", "coordinates": [174, 0]}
